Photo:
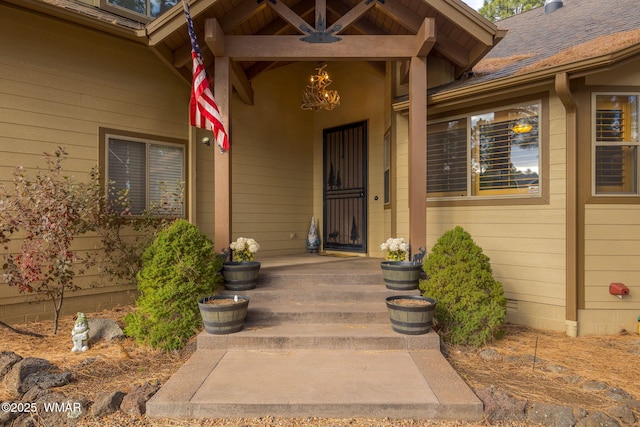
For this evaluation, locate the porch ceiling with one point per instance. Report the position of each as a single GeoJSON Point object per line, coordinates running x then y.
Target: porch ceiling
{"type": "Point", "coordinates": [462, 36]}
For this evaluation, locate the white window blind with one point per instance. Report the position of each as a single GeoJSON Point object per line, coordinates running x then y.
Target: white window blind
{"type": "Point", "coordinates": [127, 160]}
{"type": "Point", "coordinates": [447, 158]}
{"type": "Point", "coordinates": [616, 144]}
{"type": "Point", "coordinates": [152, 174]}
{"type": "Point", "coordinates": [166, 175]}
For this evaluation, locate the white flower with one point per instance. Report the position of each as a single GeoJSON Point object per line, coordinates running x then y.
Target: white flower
{"type": "Point", "coordinates": [244, 248]}
{"type": "Point", "coordinates": [395, 248]}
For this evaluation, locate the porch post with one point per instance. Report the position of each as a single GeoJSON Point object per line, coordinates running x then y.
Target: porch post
{"type": "Point", "coordinates": [417, 153]}
{"type": "Point", "coordinates": [222, 161]}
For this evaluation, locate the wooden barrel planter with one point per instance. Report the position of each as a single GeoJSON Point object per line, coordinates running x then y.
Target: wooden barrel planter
{"type": "Point", "coordinates": [411, 315]}
{"type": "Point", "coordinates": [240, 276]}
{"type": "Point", "coordinates": [222, 314]}
{"type": "Point", "coordinates": [401, 275]}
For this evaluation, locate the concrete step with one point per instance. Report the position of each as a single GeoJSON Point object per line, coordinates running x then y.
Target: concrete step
{"type": "Point", "coordinates": [337, 336]}
{"type": "Point", "coordinates": [317, 343]}
{"type": "Point", "coordinates": [304, 292]}
{"type": "Point", "coordinates": [316, 383]}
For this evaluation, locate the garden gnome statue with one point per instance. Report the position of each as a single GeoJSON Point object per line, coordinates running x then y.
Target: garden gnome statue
{"type": "Point", "coordinates": [80, 333]}
{"type": "Point", "coordinates": [313, 241]}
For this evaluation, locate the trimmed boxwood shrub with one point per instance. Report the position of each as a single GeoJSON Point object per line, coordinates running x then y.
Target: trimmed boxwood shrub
{"type": "Point", "coordinates": [178, 268]}
{"type": "Point", "coordinates": [471, 306]}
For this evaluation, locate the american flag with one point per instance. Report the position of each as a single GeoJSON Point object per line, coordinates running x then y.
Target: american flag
{"type": "Point", "coordinates": [202, 107]}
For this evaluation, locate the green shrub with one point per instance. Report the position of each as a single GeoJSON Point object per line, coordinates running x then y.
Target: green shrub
{"type": "Point", "coordinates": [178, 268]}
{"type": "Point", "coordinates": [471, 306]}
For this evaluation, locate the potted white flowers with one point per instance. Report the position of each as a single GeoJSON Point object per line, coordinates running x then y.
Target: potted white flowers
{"type": "Point", "coordinates": [399, 274]}
{"type": "Point", "coordinates": [242, 273]}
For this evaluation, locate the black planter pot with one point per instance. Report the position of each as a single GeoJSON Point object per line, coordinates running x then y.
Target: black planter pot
{"type": "Point", "coordinates": [224, 318]}
{"type": "Point", "coordinates": [401, 275]}
{"type": "Point", "coordinates": [240, 276]}
{"type": "Point", "coordinates": [411, 315]}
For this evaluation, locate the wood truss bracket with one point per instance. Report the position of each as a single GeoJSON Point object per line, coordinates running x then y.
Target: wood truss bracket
{"type": "Point", "coordinates": [321, 34]}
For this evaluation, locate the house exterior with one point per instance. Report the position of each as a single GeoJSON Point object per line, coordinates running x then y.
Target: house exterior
{"type": "Point", "coordinates": [524, 132]}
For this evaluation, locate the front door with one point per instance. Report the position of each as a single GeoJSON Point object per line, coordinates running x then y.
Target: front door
{"type": "Point", "coordinates": [345, 188]}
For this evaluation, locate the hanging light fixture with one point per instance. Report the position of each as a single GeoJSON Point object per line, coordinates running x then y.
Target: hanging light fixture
{"type": "Point", "coordinates": [316, 97]}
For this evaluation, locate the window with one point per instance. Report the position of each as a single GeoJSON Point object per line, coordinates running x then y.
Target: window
{"type": "Point", "coordinates": [615, 129]}
{"type": "Point", "coordinates": [447, 158]}
{"type": "Point", "coordinates": [140, 10]}
{"type": "Point", "coordinates": [387, 168]}
{"type": "Point", "coordinates": [489, 154]}
{"type": "Point", "coordinates": [152, 173]}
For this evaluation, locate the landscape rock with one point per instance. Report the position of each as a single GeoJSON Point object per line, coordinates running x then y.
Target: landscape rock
{"type": "Point", "coordinates": [555, 369]}
{"type": "Point", "coordinates": [34, 394]}
{"type": "Point", "coordinates": [489, 354]}
{"type": "Point", "coordinates": [104, 329]}
{"type": "Point", "coordinates": [499, 406]}
{"type": "Point", "coordinates": [7, 360]}
{"type": "Point", "coordinates": [106, 403]}
{"type": "Point", "coordinates": [594, 385]}
{"type": "Point", "coordinates": [573, 379]}
{"type": "Point", "coordinates": [23, 374]}
{"type": "Point", "coordinates": [512, 359]}
{"type": "Point", "coordinates": [617, 394]}
{"type": "Point", "coordinates": [598, 419]}
{"type": "Point", "coordinates": [550, 415]}
{"type": "Point", "coordinates": [135, 403]}
{"type": "Point", "coordinates": [623, 413]}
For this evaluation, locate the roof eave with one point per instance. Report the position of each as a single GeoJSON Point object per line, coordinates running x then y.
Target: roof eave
{"type": "Point", "coordinates": [51, 10]}
{"type": "Point", "coordinates": [448, 99]}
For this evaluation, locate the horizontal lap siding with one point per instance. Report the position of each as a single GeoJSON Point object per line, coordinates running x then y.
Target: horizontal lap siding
{"type": "Point", "coordinates": [526, 243]}
{"type": "Point", "coordinates": [58, 85]}
{"type": "Point", "coordinates": [612, 254]}
{"type": "Point", "coordinates": [272, 164]}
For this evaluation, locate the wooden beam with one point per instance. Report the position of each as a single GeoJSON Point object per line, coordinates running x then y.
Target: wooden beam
{"type": "Point", "coordinates": [426, 37]}
{"type": "Point", "coordinates": [222, 161]}
{"type": "Point", "coordinates": [402, 15]}
{"type": "Point", "coordinates": [363, 26]}
{"type": "Point", "coordinates": [214, 37]}
{"type": "Point", "coordinates": [289, 15]}
{"type": "Point", "coordinates": [417, 153]}
{"type": "Point", "coordinates": [241, 83]}
{"type": "Point", "coordinates": [351, 16]}
{"type": "Point", "coordinates": [291, 48]}
{"type": "Point", "coordinates": [240, 14]}
{"type": "Point", "coordinates": [279, 26]}
{"type": "Point", "coordinates": [320, 23]}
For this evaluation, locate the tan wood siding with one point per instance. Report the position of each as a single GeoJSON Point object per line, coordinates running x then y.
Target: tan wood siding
{"type": "Point", "coordinates": [59, 84]}
{"type": "Point", "coordinates": [272, 164]}
{"type": "Point", "coordinates": [612, 254]}
{"type": "Point", "coordinates": [525, 242]}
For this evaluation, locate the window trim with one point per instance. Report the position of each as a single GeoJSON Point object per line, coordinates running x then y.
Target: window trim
{"type": "Point", "coordinates": [594, 144]}
{"type": "Point", "coordinates": [498, 197]}
{"type": "Point", "coordinates": [105, 133]}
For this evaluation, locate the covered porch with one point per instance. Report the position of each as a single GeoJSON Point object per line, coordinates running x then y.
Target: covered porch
{"type": "Point", "coordinates": [261, 54]}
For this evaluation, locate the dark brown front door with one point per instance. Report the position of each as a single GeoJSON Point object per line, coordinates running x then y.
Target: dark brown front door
{"type": "Point", "coordinates": [345, 188]}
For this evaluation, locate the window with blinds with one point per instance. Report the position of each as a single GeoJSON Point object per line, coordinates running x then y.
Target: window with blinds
{"type": "Point", "coordinates": [489, 154]}
{"type": "Point", "coordinates": [616, 144]}
{"type": "Point", "coordinates": [447, 158]}
{"type": "Point", "coordinates": [151, 173]}
{"type": "Point", "coordinates": [505, 149]}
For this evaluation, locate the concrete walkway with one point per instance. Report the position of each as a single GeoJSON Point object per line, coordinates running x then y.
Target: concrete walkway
{"type": "Point", "coordinates": [317, 343]}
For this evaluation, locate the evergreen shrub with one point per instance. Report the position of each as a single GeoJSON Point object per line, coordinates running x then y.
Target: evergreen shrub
{"type": "Point", "coordinates": [178, 268]}
{"type": "Point", "coordinates": [471, 306]}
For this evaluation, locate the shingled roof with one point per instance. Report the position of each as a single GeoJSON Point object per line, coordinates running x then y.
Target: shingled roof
{"type": "Point", "coordinates": [536, 40]}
